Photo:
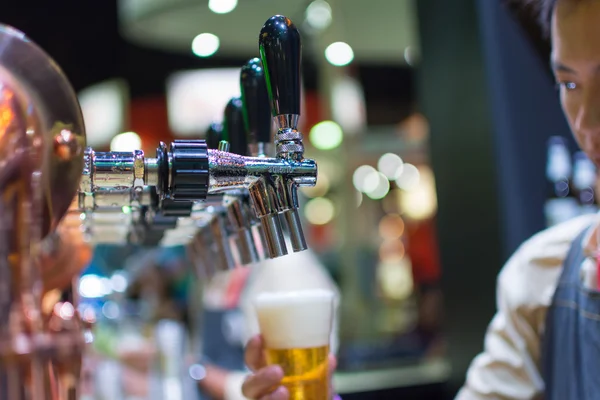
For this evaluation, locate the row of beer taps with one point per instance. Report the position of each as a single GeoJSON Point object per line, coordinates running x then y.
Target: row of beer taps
{"type": "Point", "coordinates": [226, 196]}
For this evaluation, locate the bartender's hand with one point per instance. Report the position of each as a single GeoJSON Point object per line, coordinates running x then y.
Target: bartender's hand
{"type": "Point", "coordinates": [265, 381]}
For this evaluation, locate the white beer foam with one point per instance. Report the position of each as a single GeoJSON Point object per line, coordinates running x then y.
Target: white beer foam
{"type": "Point", "coordinates": [295, 319]}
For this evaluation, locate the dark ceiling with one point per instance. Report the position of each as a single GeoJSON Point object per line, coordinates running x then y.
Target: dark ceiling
{"type": "Point", "coordinates": [83, 38]}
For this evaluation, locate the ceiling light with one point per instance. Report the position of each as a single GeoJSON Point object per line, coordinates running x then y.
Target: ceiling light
{"type": "Point", "coordinates": [339, 54]}
{"type": "Point", "coordinates": [222, 6]}
{"type": "Point", "coordinates": [205, 45]}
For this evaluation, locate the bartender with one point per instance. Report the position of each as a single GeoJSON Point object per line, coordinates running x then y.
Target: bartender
{"type": "Point", "coordinates": [543, 341]}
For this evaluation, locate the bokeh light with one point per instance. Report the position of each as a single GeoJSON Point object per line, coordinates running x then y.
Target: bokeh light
{"type": "Point", "coordinates": [409, 178]}
{"type": "Point", "coordinates": [128, 141]}
{"type": "Point", "coordinates": [339, 54]}
{"type": "Point", "coordinates": [391, 227]}
{"type": "Point", "coordinates": [205, 45]}
{"type": "Point", "coordinates": [319, 211]}
{"type": "Point", "coordinates": [391, 165]}
{"type": "Point", "coordinates": [326, 135]}
{"type": "Point", "coordinates": [360, 176]}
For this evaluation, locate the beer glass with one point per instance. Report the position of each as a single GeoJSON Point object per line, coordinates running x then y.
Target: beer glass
{"type": "Point", "coordinates": [296, 328]}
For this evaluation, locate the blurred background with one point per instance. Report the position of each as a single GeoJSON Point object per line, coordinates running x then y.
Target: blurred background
{"type": "Point", "coordinates": [440, 142]}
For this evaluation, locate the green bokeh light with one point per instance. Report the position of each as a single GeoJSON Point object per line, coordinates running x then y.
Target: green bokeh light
{"type": "Point", "coordinates": [326, 135]}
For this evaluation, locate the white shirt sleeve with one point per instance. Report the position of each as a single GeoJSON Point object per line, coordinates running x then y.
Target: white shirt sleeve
{"type": "Point", "coordinates": [233, 386]}
{"type": "Point", "coordinates": [509, 366]}
{"type": "Point", "coordinates": [297, 271]}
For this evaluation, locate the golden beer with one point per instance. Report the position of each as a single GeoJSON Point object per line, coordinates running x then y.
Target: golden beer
{"type": "Point", "coordinates": [296, 327]}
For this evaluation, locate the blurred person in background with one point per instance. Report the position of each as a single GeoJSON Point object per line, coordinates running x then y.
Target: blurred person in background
{"type": "Point", "coordinates": [230, 322]}
{"type": "Point", "coordinates": [543, 340]}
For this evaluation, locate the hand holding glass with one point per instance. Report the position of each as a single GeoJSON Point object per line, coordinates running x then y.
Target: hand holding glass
{"type": "Point", "coordinates": [296, 329]}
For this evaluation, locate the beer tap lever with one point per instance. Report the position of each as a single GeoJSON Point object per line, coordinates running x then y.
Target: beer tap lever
{"type": "Point", "coordinates": [257, 111]}
{"type": "Point", "coordinates": [280, 52]}
{"type": "Point", "coordinates": [214, 135]}
{"type": "Point", "coordinates": [233, 127]}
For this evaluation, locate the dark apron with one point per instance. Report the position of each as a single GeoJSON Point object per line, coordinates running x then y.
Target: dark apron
{"type": "Point", "coordinates": [223, 337]}
{"type": "Point", "coordinates": [571, 343]}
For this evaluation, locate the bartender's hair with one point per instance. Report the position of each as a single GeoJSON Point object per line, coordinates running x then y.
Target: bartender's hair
{"type": "Point", "coordinates": [544, 9]}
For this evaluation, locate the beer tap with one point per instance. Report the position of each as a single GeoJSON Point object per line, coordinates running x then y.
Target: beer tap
{"type": "Point", "coordinates": [280, 51]}
{"type": "Point", "coordinates": [226, 226]}
{"type": "Point", "coordinates": [236, 203]}
{"type": "Point", "coordinates": [229, 216]}
{"type": "Point", "coordinates": [257, 123]}
{"type": "Point", "coordinates": [211, 246]}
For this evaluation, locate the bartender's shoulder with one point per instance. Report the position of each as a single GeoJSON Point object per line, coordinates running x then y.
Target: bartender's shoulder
{"type": "Point", "coordinates": [537, 264]}
{"type": "Point", "coordinates": [551, 245]}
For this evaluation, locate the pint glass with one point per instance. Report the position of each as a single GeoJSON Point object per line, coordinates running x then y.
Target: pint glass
{"type": "Point", "coordinates": [296, 328]}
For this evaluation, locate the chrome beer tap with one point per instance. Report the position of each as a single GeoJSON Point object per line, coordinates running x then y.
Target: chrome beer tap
{"type": "Point", "coordinates": [220, 242]}
{"type": "Point", "coordinates": [237, 205]}
{"type": "Point", "coordinates": [274, 191]}
{"type": "Point", "coordinates": [257, 124]}
{"type": "Point", "coordinates": [281, 52]}
{"type": "Point", "coordinates": [187, 172]}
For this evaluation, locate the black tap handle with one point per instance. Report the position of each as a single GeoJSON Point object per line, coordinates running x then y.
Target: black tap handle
{"type": "Point", "coordinates": [214, 135]}
{"type": "Point", "coordinates": [255, 99]}
{"type": "Point", "coordinates": [233, 127]}
{"type": "Point", "coordinates": [280, 52]}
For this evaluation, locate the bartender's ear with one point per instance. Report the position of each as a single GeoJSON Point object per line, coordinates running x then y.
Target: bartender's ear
{"type": "Point", "coordinates": [255, 355]}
